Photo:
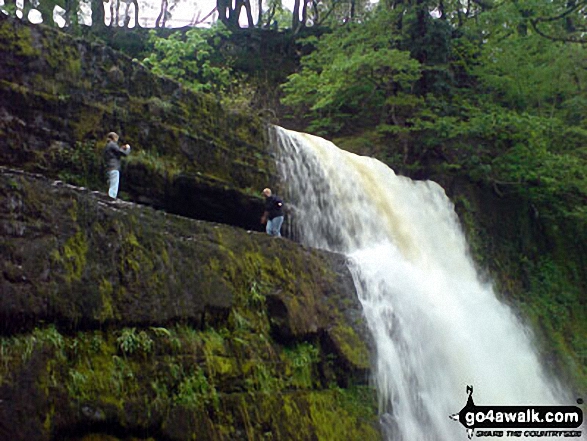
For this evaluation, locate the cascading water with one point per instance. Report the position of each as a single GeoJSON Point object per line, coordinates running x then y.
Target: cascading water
{"type": "Point", "coordinates": [436, 326]}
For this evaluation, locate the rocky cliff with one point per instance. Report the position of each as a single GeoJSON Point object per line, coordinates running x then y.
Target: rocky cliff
{"type": "Point", "coordinates": [163, 316]}
{"type": "Point", "coordinates": [120, 319]}
{"type": "Point", "coordinates": [59, 97]}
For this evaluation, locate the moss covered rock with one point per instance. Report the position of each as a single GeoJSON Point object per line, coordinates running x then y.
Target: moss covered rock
{"type": "Point", "coordinates": [59, 97]}
{"type": "Point", "coordinates": [119, 320]}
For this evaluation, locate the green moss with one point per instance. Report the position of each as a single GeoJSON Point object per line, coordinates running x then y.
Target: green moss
{"type": "Point", "coordinates": [467, 216]}
{"type": "Point", "coordinates": [536, 269]}
{"type": "Point", "coordinates": [141, 376]}
{"type": "Point", "coordinates": [103, 377]}
{"type": "Point", "coordinates": [218, 360]}
{"type": "Point", "coordinates": [352, 347]}
{"type": "Point", "coordinates": [72, 257]}
{"type": "Point", "coordinates": [114, 372]}
{"type": "Point", "coordinates": [28, 94]}
{"type": "Point", "coordinates": [106, 292]}
{"type": "Point", "coordinates": [105, 437]}
{"type": "Point", "coordinates": [334, 416]}
{"type": "Point", "coordinates": [196, 392]}
{"type": "Point", "coordinates": [142, 262]}
{"type": "Point", "coordinates": [19, 39]}
{"type": "Point", "coordinates": [16, 351]}
{"type": "Point", "coordinates": [165, 166]}
{"type": "Point", "coordinates": [88, 123]}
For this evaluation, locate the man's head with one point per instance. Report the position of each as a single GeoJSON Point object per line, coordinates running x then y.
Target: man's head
{"type": "Point", "coordinates": [112, 136]}
{"type": "Point", "coordinates": [267, 192]}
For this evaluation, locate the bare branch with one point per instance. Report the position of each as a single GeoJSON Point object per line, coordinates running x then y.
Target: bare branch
{"type": "Point", "coordinates": [569, 39]}
{"type": "Point", "coordinates": [563, 15]}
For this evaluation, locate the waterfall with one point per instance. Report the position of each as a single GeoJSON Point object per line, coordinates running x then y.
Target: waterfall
{"type": "Point", "coordinates": [437, 326]}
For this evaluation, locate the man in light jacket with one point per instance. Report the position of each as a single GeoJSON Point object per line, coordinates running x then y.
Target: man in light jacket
{"type": "Point", "coordinates": [112, 154]}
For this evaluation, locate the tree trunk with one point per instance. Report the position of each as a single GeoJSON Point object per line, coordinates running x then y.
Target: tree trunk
{"type": "Point", "coordinates": [112, 15]}
{"type": "Point", "coordinates": [117, 12]}
{"type": "Point", "coordinates": [71, 10]}
{"type": "Point", "coordinates": [160, 22]}
{"type": "Point", "coordinates": [441, 10]}
{"type": "Point", "coordinates": [247, 5]}
{"type": "Point", "coordinates": [304, 13]}
{"type": "Point", "coordinates": [229, 15]}
{"type": "Point", "coordinates": [127, 17]}
{"type": "Point", "coordinates": [295, 21]}
{"type": "Point", "coordinates": [46, 9]}
{"type": "Point", "coordinates": [26, 8]}
{"type": "Point", "coordinates": [136, 3]}
{"type": "Point", "coordinates": [260, 14]}
{"type": "Point", "coordinates": [98, 14]}
{"type": "Point", "coordinates": [221, 7]}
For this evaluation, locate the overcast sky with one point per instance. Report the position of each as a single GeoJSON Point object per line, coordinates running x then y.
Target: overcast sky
{"type": "Point", "coordinates": [184, 12]}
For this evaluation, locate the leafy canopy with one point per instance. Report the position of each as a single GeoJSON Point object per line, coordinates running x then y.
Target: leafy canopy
{"type": "Point", "coordinates": [350, 76]}
{"type": "Point", "coordinates": [495, 98]}
{"type": "Point", "coordinates": [192, 58]}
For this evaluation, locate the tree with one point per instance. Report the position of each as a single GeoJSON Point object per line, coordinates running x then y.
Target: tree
{"type": "Point", "coordinates": [191, 59]}
{"type": "Point", "coordinates": [353, 75]}
{"type": "Point", "coordinates": [97, 7]}
{"type": "Point", "coordinates": [558, 20]}
{"type": "Point", "coordinates": [519, 68]}
{"type": "Point", "coordinates": [229, 12]}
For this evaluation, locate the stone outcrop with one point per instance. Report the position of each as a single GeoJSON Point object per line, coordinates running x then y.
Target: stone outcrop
{"type": "Point", "coordinates": [118, 318]}
{"type": "Point", "coordinates": [59, 97]}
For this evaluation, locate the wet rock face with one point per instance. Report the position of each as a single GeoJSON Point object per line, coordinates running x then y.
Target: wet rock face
{"type": "Point", "coordinates": [59, 97]}
{"type": "Point", "coordinates": [80, 259]}
{"type": "Point", "coordinates": [192, 196]}
{"type": "Point", "coordinates": [77, 257]}
{"type": "Point", "coordinates": [117, 318]}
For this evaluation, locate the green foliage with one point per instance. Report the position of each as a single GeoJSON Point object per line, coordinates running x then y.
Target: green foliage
{"type": "Point", "coordinates": [536, 156]}
{"type": "Point", "coordinates": [195, 391]}
{"type": "Point", "coordinates": [161, 165]}
{"type": "Point", "coordinates": [256, 297]}
{"type": "Point", "coordinates": [556, 312]}
{"type": "Point", "coordinates": [530, 73]}
{"type": "Point", "coordinates": [276, 16]}
{"type": "Point", "coordinates": [302, 360]}
{"type": "Point", "coordinates": [261, 378]}
{"type": "Point", "coordinates": [9, 9]}
{"type": "Point", "coordinates": [195, 59]}
{"type": "Point", "coordinates": [130, 342]}
{"type": "Point", "coordinates": [353, 75]}
{"type": "Point", "coordinates": [189, 58]}
{"type": "Point", "coordinates": [78, 165]}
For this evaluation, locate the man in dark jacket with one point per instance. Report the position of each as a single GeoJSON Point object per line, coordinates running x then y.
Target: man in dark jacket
{"type": "Point", "coordinates": [112, 154]}
{"type": "Point", "coordinates": [273, 214]}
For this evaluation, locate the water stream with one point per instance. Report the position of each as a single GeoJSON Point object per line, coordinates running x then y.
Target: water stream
{"type": "Point", "coordinates": [437, 326]}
